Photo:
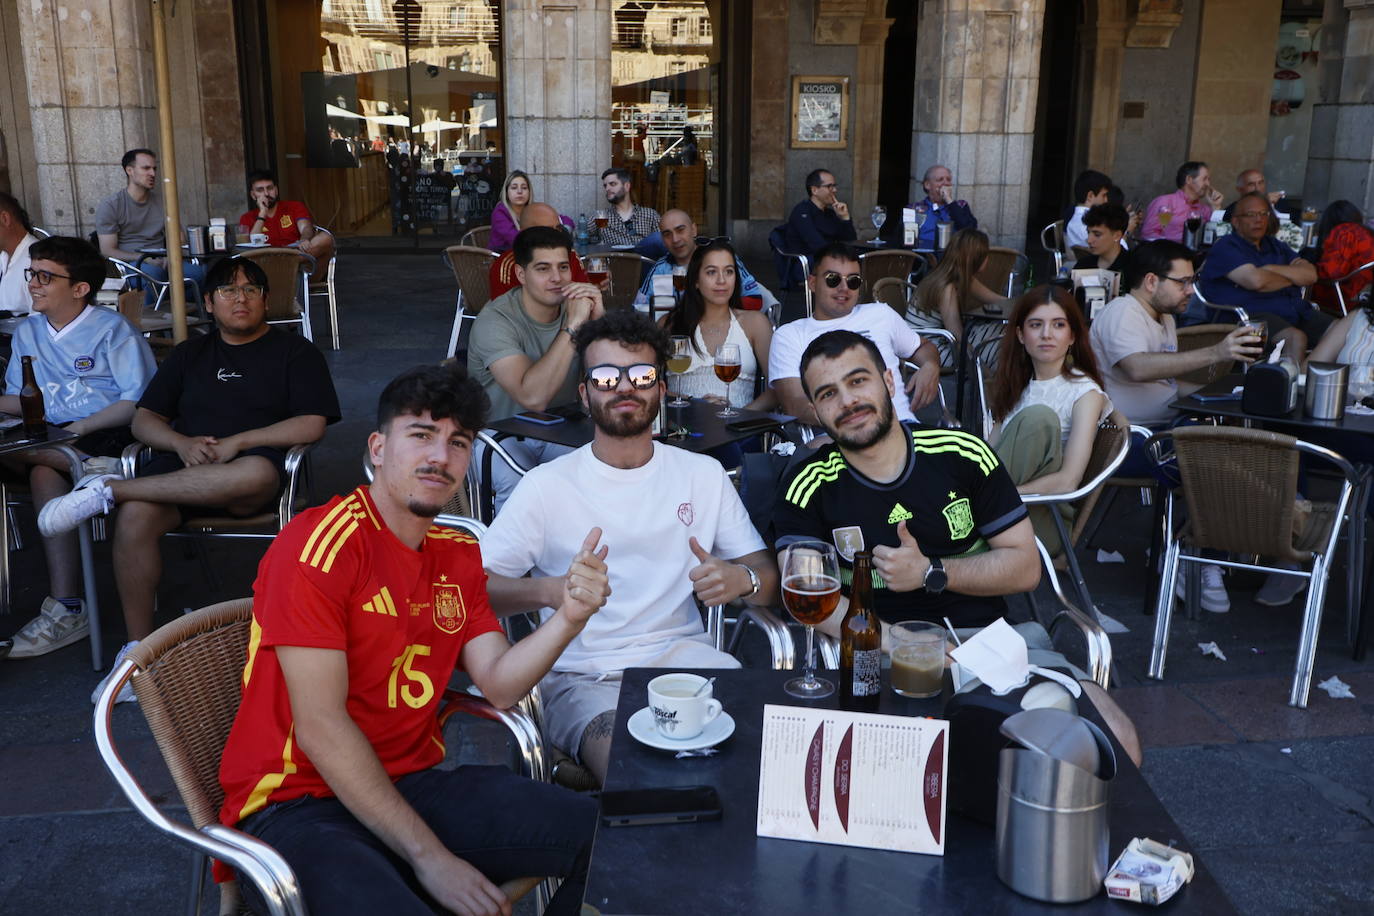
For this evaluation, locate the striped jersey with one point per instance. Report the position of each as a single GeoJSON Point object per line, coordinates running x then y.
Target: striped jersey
{"type": "Point", "coordinates": [337, 578]}
{"type": "Point", "coordinates": [953, 494]}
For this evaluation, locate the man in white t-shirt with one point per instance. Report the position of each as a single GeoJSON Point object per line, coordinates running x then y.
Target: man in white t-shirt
{"type": "Point", "coordinates": [835, 282]}
{"type": "Point", "coordinates": [676, 530]}
{"type": "Point", "coordinates": [16, 235]}
{"type": "Point", "coordinates": [1135, 340]}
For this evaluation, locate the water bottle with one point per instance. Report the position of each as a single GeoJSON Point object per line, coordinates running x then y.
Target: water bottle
{"type": "Point", "coordinates": [583, 234]}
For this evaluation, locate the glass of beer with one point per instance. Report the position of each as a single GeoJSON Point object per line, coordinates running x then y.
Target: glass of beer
{"type": "Point", "coordinates": [1259, 329]}
{"type": "Point", "coordinates": [597, 271]}
{"type": "Point", "coordinates": [811, 592]}
{"type": "Point", "coordinates": [1166, 216]}
{"type": "Point", "coordinates": [603, 219]}
{"type": "Point", "coordinates": [918, 658]}
{"type": "Point", "coordinates": [727, 370]}
{"type": "Point", "coordinates": [679, 361]}
{"type": "Point", "coordinates": [679, 278]}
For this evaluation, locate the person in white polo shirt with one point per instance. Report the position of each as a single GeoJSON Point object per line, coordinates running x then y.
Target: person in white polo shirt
{"type": "Point", "coordinates": [835, 282]}
{"type": "Point", "coordinates": [16, 235]}
{"type": "Point", "coordinates": [92, 367]}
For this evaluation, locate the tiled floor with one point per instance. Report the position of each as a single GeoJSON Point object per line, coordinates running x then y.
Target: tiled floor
{"type": "Point", "coordinates": [1277, 802]}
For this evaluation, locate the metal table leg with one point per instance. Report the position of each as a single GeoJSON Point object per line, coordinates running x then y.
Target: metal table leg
{"type": "Point", "coordinates": [92, 599]}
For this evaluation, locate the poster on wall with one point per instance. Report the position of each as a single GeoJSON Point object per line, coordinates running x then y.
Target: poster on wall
{"type": "Point", "coordinates": [820, 112]}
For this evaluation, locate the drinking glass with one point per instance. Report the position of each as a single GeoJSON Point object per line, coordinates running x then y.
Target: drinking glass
{"type": "Point", "coordinates": [598, 271]}
{"type": "Point", "coordinates": [879, 216]}
{"type": "Point", "coordinates": [602, 219]}
{"type": "Point", "coordinates": [811, 592]}
{"type": "Point", "coordinates": [920, 211]}
{"type": "Point", "coordinates": [1361, 382]}
{"type": "Point", "coordinates": [1166, 215]}
{"type": "Point", "coordinates": [679, 278]}
{"type": "Point", "coordinates": [679, 361]}
{"type": "Point", "coordinates": [727, 370]}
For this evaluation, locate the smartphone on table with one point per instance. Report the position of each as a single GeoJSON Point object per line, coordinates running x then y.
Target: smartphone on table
{"type": "Point", "coordinates": [671, 805]}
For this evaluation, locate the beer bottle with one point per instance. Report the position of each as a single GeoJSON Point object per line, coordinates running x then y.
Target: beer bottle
{"type": "Point", "coordinates": [31, 402]}
{"type": "Point", "coordinates": [861, 642]}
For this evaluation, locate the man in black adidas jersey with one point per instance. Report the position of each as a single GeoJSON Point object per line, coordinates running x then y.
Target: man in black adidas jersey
{"type": "Point", "coordinates": [947, 529]}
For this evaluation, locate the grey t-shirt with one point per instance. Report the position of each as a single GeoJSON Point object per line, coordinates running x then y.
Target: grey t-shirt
{"type": "Point", "coordinates": [504, 329]}
{"type": "Point", "coordinates": [137, 225]}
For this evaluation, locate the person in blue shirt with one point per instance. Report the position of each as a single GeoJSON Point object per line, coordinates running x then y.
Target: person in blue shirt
{"type": "Point", "coordinates": [92, 367]}
{"type": "Point", "coordinates": [941, 207]}
{"type": "Point", "coordinates": [679, 233]}
{"type": "Point", "coordinates": [1252, 269]}
{"type": "Point", "coordinates": [820, 219]}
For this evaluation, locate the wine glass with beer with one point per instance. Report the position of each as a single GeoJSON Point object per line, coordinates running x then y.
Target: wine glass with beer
{"type": "Point", "coordinates": [602, 219]}
{"type": "Point", "coordinates": [727, 370]}
{"type": "Point", "coordinates": [679, 361]}
{"type": "Point", "coordinates": [598, 271]}
{"type": "Point", "coordinates": [1166, 216]}
{"type": "Point", "coordinates": [811, 592]}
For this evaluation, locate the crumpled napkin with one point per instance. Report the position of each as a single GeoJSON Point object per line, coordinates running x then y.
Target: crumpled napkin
{"type": "Point", "coordinates": [1337, 688]}
{"type": "Point", "coordinates": [1211, 648]}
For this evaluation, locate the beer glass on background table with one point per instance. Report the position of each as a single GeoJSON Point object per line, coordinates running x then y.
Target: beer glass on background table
{"type": "Point", "coordinates": [810, 592]}
{"type": "Point", "coordinates": [598, 272]}
{"type": "Point", "coordinates": [602, 219]}
{"type": "Point", "coordinates": [727, 370]}
{"type": "Point", "coordinates": [679, 361]}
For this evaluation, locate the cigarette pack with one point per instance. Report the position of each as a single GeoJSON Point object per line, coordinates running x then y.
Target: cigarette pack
{"type": "Point", "coordinates": [1148, 872]}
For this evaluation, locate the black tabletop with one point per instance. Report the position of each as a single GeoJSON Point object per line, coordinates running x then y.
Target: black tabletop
{"type": "Point", "coordinates": [1294, 421]}
{"type": "Point", "coordinates": [699, 417]}
{"type": "Point", "coordinates": [722, 867]}
{"type": "Point", "coordinates": [16, 440]}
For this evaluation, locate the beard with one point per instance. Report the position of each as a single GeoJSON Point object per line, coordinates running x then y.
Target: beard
{"type": "Point", "coordinates": [863, 439]}
{"type": "Point", "coordinates": [623, 426]}
{"type": "Point", "coordinates": [429, 510]}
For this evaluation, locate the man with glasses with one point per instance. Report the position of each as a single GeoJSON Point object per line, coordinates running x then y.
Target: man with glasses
{"type": "Point", "coordinates": [679, 233]}
{"type": "Point", "coordinates": [521, 351]}
{"type": "Point", "coordinates": [672, 521]}
{"type": "Point", "coordinates": [221, 413]}
{"type": "Point", "coordinates": [92, 367]}
{"type": "Point", "coordinates": [1253, 269]}
{"type": "Point", "coordinates": [942, 207]}
{"type": "Point", "coordinates": [820, 219]}
{"type": "Point", "coordinates": [835, 283]}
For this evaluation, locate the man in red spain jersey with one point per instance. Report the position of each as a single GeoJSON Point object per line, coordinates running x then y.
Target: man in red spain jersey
{"type": "Point", "coordinates": [284, 222]}
{"type": "Point", "coordinates": [363, 608]}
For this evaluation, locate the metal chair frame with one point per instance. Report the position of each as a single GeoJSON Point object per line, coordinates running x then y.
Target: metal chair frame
{"type": "Point", "coordinates": [326, 286]}
{"type": "Point", "coordinates": [805, 262]}
{"type": "Point", "coordinates": [886, 255]}
{"type": "Point", "coordinates": [463, 309]}
{"type": "Point", "coordinates": [1340, 291]}
{"type": "Point", "coordinates": [128, 272]}
{"type": "Point", "coordinates": [1054, 244]}
{"type": "Point", "coordinates": [1177, 554]}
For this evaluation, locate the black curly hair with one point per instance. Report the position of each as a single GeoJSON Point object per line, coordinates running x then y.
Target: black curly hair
{"type": "Point", "coordinates": [626, 327]}
{"type": "Point", "coordinates": [445, 392]}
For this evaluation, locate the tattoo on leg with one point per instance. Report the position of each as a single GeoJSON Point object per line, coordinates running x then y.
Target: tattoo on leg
{"type": "Point", "coordinates": [600, 728]}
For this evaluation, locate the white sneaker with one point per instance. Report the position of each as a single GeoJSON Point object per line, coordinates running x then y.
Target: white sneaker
{"type": "Point", "coordinates": [90, 497]}
{"type": "Point", "coordinates": [53, 628]}
{"type": "Point", "coordinates": [1279, 589]}
{"type": "Point", "coordinates": [1214, 597]}
{"type": "Point", "coordinates": [126, 693]}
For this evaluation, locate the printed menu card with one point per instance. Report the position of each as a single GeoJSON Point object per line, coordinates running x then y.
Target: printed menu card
{"type": "Point", "coordinates": [854, 779]}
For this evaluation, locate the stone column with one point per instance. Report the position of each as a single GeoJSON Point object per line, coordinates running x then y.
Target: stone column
{"type": "Point", "coordinates": [868, 99]}
{"type": "Point", "coordinates": [977, 75]}
{"type": "Point", "coordinates": [1340, 160]}
{"type": "Point", "coordinates": [1103, 45]}
{"type": "Point", "coordinates": [557, 68]}
{"type": "Point", "coordinates": [769, 127]}
{"type": "Point", "coordinates": [90, 91]}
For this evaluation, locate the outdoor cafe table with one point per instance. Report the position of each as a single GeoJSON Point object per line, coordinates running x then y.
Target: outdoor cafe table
{"type": "Point", "coordinates": [1294, 423]}
{"type": "Point", "coordinates": [699, 416]}
{"type": "Point", "coordinates": [722, 867]}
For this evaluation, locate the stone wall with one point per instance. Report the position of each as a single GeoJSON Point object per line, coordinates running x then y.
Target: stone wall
{"type": "Point", "coordinates": [1341, 155]}
{"type": "Point", "coordinates": [977, 75]}
{"type": "Point", "coordinates": [557, 66]}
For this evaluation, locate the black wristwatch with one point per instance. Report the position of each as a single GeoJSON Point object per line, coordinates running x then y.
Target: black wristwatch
{"type": "Point", "coordinates": [936, 577]}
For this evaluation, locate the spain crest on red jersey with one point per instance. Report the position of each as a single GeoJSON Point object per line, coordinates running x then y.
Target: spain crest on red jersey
{"type": "Point", "coordinates": [449, 611]}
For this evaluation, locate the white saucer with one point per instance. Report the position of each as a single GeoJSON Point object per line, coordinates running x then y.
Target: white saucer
{"type": "Point", "coordinates": [643, 730]}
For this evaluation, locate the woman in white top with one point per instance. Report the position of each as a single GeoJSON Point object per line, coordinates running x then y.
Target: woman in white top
{"type": "Point", "coordinates": [710, 314]}
{"type": "Point", "coordinates": [1047, 400]}
{"type": "Point", "coordinates": [953, 289]}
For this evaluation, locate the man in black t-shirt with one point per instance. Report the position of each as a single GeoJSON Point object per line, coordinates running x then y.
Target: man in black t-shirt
{"type": "Point", "coordinates": [948, 532]}
{"type": "Point", "coordinates": [222, 410]}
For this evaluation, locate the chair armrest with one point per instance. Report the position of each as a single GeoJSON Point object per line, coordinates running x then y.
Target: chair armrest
{"type": "Point", "coordinates": [1085, 488]}
{"type": "Point", "coordinates": [828, 648]}
{"type": "Point", "coordinates": [134, 454]}
{"type": "Point", "coordinates": [534, 756]}
{"type": "Point", "coordinates": [781, 646]}
{"type": "Point", "coordinates": [1099, 646]}
{"type": "Point", "coordinates": [295, 456]}
{"type": "Point", "coordinates": [251, 857]}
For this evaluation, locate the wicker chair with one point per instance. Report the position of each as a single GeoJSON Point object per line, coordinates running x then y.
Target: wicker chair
{"type": "Point", "coordinates": [288, 276]}
{"type": "Point", "coordinates": [896, 292]}
{"type": "Point", "coordinates": [626, 269]}
{"type": "Point", "coordinates": [889, 263]}
{"type": "Point", "coordinates": [188, 680]}
{"type": "Point", "coordinates": [1240, 486]}
{"type": "Point", "coordinates": [470, 265]}
{"type": "Point", "coordinates": [1196, 337]}
{"type": "Point", "coordinates": [476, 237]}
{"type": "Point", "coordinates": [1003, 271]}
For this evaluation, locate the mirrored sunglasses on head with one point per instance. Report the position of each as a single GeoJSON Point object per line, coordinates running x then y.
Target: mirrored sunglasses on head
{"type": "Point", "coordinates": [833, 280]}
{"type": "Point", "coordinates": [606, 377]}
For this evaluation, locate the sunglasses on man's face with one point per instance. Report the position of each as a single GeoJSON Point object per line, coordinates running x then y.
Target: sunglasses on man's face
{"type": "Point", "coordinates": [606, 377]}
{"type": "Point", "coordinates": [833, 280]}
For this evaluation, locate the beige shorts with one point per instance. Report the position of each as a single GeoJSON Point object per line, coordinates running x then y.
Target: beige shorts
{"type": "Point", "coordinates": [573, 700]}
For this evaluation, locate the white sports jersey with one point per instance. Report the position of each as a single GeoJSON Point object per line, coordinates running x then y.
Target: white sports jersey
{"type": "Point", "coordinates": [96, 360]}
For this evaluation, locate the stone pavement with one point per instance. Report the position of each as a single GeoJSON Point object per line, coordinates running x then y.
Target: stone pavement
{"type": "Point", "coordinates": [1277, 802]}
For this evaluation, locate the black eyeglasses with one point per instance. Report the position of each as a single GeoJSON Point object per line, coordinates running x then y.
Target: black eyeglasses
{"type": "Point", "coordinates": [247, 291]}
{"type": "Point", "coordinates": [44, 277]}
{"type": "Point", "coordinates": [704, 240]}
{"type": "Point", "coordinates": [1183, 281]}
{"type": "Point", "coordinates": [833, 280]}
{"type": "Point", "coordinates": [606, 377]}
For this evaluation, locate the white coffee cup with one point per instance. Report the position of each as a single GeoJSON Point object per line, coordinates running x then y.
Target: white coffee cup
{"type": "Point", "coordinates": [679, 713]}
{"type": "Point", "coordinates": [258, 238]}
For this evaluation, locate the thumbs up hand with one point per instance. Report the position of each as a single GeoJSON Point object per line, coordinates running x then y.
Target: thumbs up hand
{"type": "Point", "coordinates": [904, 566]}
{"type": "Point", "coordinates": [716, 581]}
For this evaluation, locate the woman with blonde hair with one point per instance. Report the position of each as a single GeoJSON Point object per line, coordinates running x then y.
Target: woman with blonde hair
{"type": "Point", "coordinates": [952, 289]}
{"type": "Point", "coordinates": [505, 217]}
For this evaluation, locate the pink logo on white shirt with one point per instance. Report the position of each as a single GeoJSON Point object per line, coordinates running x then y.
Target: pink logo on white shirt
{"type": "Point", "coordinates": [684, 514]}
